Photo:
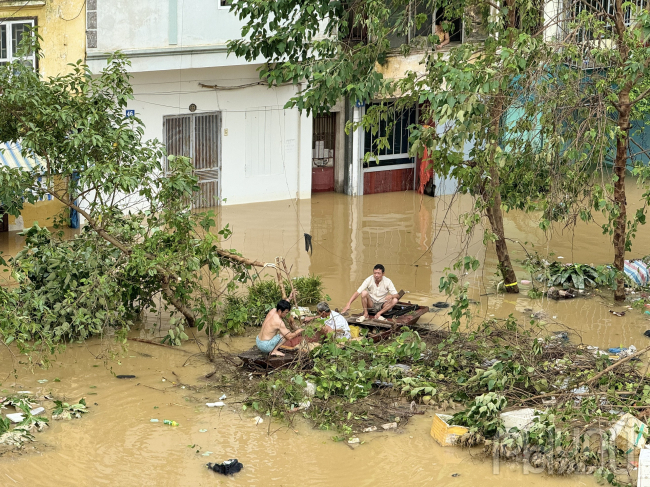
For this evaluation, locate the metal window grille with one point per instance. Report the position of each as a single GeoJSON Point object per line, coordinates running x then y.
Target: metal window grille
{"type": "Point", "coordinates": [585, 36]}
{"type": "Point", "coordinates": [396, 130]}
{"type": "Point", "coordinates": [197, 136]}
{"type": "Point", "coordinates": [324, 140]}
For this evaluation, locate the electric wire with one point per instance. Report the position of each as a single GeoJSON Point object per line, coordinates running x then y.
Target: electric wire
{"type": "Point", "coordinates": [7, 19]}
{"type": "Point", "coordinates": [76, 16]}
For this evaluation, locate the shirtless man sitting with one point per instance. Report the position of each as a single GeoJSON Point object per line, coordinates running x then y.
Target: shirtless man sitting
{"type": "Point", "coordinates": [274, 332]}
{"type": "Point", "coordinates": [377, 293]}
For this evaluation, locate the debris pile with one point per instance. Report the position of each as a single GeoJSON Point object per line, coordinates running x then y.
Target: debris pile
{"type": "Point", "coordinates": [525, 389]}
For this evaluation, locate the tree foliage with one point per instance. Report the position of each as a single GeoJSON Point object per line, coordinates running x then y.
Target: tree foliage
{"type": "Point", "coordinates": [479, 121]}
{"type": "Point", "coordinates": [141, 238]}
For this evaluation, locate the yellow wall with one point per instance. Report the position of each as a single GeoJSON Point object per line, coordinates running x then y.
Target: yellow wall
{"type": "Point", "coordinates": [62, 25]}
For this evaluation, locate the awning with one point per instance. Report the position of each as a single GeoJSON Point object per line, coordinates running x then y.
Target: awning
{"type": "Point", "coordinates": [10, 156]}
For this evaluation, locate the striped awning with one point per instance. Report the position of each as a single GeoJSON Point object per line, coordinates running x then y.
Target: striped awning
{"type": "Point", "coordinates": [10, 155]}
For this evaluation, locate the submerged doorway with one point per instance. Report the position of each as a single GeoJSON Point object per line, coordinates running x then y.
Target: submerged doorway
{"type": "Point", "coordinates": [322, 158]}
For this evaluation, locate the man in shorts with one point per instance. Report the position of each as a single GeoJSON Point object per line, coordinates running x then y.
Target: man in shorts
{"type": "Point", "coordinates": [274, 332]}
{"type": "Point", "coordinates": [378, 294]}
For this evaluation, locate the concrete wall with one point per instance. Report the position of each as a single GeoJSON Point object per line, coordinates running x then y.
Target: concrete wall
{"type": "Point", "coordinates": [160, 35]}
{"type": "Point", "coordinates": [147, 24]}
{"type": "Point", "coordinates": [266, 154]}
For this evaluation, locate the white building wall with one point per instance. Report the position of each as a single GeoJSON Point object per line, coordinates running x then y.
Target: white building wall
{"type": "Point", "coordinates": [175, 46]}
{"type": "Point", "coordinates": [266, 150]}
{"type": "Point", "coordinates": [147, 24]}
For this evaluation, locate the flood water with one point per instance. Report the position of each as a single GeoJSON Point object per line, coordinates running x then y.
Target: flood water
{"type": "Point", "coordinates": [416, 239]}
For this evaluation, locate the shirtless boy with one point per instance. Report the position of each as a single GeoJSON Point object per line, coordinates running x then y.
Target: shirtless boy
{"type": "Point", "coordinates": [274, 332]}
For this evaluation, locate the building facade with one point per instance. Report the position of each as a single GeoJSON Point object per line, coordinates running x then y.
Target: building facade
{"type": "Point", "coordinates": [211, 106]}
{"type": "Point", "coordinates": [61, 24]}
{"type": "Point", "coordinates": [202, 103]}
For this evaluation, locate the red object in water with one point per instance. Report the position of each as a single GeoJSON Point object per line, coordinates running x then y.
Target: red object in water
{"type": "Point", "coordinates": [425, 168]}
{"type": "Point", "coordinates": [322, 179]}
{"type": "Point", "coordinates": [425, 171]}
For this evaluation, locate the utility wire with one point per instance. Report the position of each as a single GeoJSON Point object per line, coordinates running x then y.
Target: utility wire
{"type": "Point", "coordinates": [75, 17]}
{"type": "Point", "coordinates": [13, 14]}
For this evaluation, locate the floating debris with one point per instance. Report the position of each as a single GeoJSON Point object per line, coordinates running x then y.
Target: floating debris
{"type": "Point", "coordinates": [63, 410]}
{"type": "Point", "coordinates": [229, 467]}
{"type": "Point", "coordinates": [217, 404]}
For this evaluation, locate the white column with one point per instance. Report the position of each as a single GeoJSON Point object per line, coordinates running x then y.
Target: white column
{"type": "Point", "coordinates": [356, 173]}
{"type": "Point", "coordinates": [305, 132]}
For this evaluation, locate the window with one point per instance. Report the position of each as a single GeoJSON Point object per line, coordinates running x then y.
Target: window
{"type": "Point", "coordinates": [357, 31]}
{"type": "Point", "coordinates": [197, 136]}
{"type": "Point", "coordinates": [419, 35]}
{"type": "Point", "coordinates": [225, 3]}
{"type": "Point", "coordinates": [603, 11]}
{"type": "Point", "coordinates": [323, 140]}
{"type": "Point", "coordinates": [397, 132]}
{"type": "Point", "coordinates": [11, 33]}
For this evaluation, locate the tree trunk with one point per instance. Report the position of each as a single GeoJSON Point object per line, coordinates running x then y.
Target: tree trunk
{"type": "Point", "coordinates": [495, 217]}
{"type": "Point", "coordinates": [620, 166]}
{"type": "Point", "coordinates": [492, 199]}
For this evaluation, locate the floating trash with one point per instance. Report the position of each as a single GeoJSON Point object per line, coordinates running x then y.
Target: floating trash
{"type": "Point", "coordinates": [229, 467]}
{"type": "Point", "coordinates": [154, 420]}
{"type": "Point", "coordinates": [203, 431]}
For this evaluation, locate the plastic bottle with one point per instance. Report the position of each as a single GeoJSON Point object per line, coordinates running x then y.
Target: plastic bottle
{"type": "Point", "coordinates": [170, 422]}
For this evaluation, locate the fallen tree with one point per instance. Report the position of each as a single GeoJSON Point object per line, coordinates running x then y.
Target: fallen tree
{"type": "Point", "coordinates": [141, 238]}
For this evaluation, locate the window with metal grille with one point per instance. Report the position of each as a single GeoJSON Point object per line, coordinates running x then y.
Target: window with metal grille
{"type": "Point", "coordinates": [323, 140]}
{"type": "Point", "coordinates": [197, 136]}
{"type": "Point", "coordinates": [11, 33]}
{"type": "Point", "coordinates": [395, 129]}
{"type": "Point", "coordinates": [356, 30]}
{"type": "Point", "coordinates": [603, 10]}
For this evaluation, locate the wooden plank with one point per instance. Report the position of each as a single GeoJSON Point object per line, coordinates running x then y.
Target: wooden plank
{"type": "Point", "coordinates": [388, 181]}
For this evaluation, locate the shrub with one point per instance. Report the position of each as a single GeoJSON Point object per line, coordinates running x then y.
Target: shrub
{"type": "Point", "coordinates": [239, 311]}
{"type": "Point", "coordinates": [309, 290]}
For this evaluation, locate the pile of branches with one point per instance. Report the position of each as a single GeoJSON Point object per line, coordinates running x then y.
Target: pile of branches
{"type": "Point", "coordinates": [357, 386]}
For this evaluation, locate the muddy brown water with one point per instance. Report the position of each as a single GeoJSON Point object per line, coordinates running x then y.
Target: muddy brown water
{"type": "Point", "coordinates": [416, 239]}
